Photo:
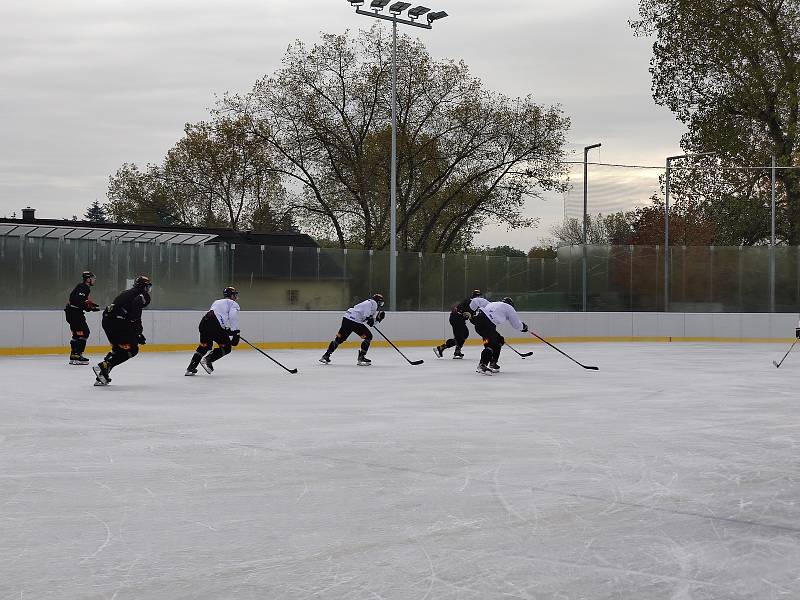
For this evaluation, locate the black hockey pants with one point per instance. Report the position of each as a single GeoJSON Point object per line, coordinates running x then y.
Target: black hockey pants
{"type": "Point", "coordinates": [492, 340]}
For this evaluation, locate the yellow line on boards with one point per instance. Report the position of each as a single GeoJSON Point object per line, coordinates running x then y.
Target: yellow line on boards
{"type": "Point", "coordinates": [35, 350]}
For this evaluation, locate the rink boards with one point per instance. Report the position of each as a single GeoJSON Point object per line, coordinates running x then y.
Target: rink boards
{"type": "Point", "coordinates": [45, 331]}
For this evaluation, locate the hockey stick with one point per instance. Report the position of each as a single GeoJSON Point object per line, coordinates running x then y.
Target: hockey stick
{"type": "Point", "coordinates": [562, 352]}
{"type": "Point", "coordinates": [521, 354]}
{"type": "Point", "coordinates": [778, 364]}
{"type": "Point", "coordinates": [411, 362]}
{"type": "Point", "coordinates": [292, 371]}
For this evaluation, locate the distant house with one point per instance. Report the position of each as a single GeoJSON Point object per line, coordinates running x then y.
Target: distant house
{"type": "Point", "coordinates": [273, 270]}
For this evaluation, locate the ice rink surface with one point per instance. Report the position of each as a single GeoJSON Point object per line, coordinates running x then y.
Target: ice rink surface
{"type": "Point", "coordinates": [673, 472]}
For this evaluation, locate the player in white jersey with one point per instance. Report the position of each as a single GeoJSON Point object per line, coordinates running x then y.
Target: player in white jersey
{"type": "Point", "coordinates": [354, 319]}
{"type": "Point", "coordinates": [486, 321]}
{"type": "Point", "coordinates": [221, 325]}
{"type": "Point", "coordinates": [459, 315]}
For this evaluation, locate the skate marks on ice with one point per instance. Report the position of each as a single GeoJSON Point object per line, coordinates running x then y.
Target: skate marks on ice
{"type": "Point", "coordinates": [373, 483]}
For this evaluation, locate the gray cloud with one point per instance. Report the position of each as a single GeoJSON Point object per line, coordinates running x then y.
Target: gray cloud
{"type": "Point", "coordinates": [91, 84]}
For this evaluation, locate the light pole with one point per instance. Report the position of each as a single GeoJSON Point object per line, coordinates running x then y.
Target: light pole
{"type": "Point", "coordinates": [666, 221]}
{"type": "Point", "coordinates": [585, 219]}
{"type": "Point", "coordinates": [395, 10]}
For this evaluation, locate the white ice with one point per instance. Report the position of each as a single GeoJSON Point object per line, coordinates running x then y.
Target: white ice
{"type": "Point", "coordinates": [672, 473]}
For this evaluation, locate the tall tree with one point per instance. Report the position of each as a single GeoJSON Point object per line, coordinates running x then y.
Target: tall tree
{"type": "Point", "coordinates": [730, 70]}
{"type": "Point", "coordinates": [217, 175]}
{"type": "Point", "coordinates": [95, 213]}
{"type": "Point", "coordinates": [465, 154]}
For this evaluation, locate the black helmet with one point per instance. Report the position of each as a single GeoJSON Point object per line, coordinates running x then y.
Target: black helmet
{"type": "Point", "coordinates": [230, 292]}
{"type": "Point", "coordinates": [87, 275]}
{"type": "Point", "coordinates": [476, 293]}
{"type": "Point", "coordinates": [508, 300]}
{"type": "Point", "coordinates": [379, 299]}
{"type": "Point", "coordinates": [143, 283]}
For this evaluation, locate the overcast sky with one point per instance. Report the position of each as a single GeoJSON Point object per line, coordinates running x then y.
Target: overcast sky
{"type": "Point", "coordinates": [90, 84]}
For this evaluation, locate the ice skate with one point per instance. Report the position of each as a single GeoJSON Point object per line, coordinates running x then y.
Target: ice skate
{"type": "Point", "coordinates": [207, 366]}
{"type": "Point", "coordinates": [438, 351]}
{"type": "Point", "coordinates": [78, 359]}
{"type": "Point", "coordinates": [325, 359]}
{"type": "Point", "coordinates": [483, 369]}
{"type": "Point", "coordinates": [494, 367]}
{"type": "Point", "coordinates": [102, 373]}
{"type": "Point", "coordinates": [190, 372]}
{"type": "Point", "coordinates": [458, 353]}
{"type": "Point", "coordinates": [363, 361]}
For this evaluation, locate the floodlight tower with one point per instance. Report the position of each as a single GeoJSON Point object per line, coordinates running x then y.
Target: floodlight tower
{"type": "Point", "coordinates": [395, 10]}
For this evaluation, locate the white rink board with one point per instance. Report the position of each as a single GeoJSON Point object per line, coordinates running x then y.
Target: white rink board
{"type": "Point", "coordinates": [671, 473]}
{"type": "Point", "coordinates": [43, 329]}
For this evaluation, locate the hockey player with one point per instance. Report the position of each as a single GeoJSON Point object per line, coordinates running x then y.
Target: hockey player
{"type": "Point", "coordinates": [486, 321]}
{"type": "Point", "coordinates": [122, 322]}
{"type": "Point", "coordinates": [78, 304]}
{"type": "Point", "coordinates": [221, 325]}
{"type": "Point", "coordinates": [369, 312]}
{"type": "Point", "coordinates": [459, 315]}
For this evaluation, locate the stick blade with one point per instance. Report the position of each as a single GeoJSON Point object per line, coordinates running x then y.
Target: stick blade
{"type": "Point", "coordinates": [591, 368]}
{"type": "Point", "coordinates": [292, 371]}
{"type": "Point", "coordinates": [416, 362]}
{"type": "Point", "coordinates": [526, 354]}
{"type": "Point", "coordinates": [777, 366]}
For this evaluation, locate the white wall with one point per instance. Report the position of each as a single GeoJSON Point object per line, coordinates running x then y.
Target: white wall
{"type": "Point", "coordinates": [22, 331]}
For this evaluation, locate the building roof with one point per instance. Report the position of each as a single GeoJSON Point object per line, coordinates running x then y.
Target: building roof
{"type": "Point", "coordinates": [87, 230]}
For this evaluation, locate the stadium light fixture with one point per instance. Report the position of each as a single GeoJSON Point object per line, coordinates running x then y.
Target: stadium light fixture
{"type": "Point", "coordinates": [414, 15]}
{"type": "Point", "coordinates": [399, 7]}
{"type": "Point", "coordinates": [416, 12]}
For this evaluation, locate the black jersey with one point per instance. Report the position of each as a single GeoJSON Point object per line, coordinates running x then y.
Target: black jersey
{"type": "Point", "coordinates": [79, 298]}
{"type": "Point", "coordinates": [128, 306]}
{"type": "Point", "coordinates": [462, 306]}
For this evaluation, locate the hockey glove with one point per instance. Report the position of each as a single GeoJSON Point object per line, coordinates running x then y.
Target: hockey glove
{"type": "Point", "coordinates": [524, 327]}
{"type": "Point", "coordinates": [91, 306]}
{"type": "Point", "coordinates": [467, 315]}
{"type": "Point", "coordinates": [141, 340]}
{"type": "Point", "coordinates": [381, 316]}
{"type": "Point", "coordinates": [370, 321]}
{"type": "Point", "coordinates": [235, 337]}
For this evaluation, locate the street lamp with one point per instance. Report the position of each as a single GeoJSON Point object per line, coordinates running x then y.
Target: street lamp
{"type": "Point", "coordinates": [666, 221]}
{"type": "Point", "coordinates": [585, 219]}
{"type": "Point", "coordinates": [395, 10]}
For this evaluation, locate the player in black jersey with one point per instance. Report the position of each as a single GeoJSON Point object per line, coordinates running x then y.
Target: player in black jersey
{"type": "Point", "coordinates": [78, 304]}
{"type": "Point", "coordinates": [459, 315]}
{"type": "Point", "coordinates": [122, 322]}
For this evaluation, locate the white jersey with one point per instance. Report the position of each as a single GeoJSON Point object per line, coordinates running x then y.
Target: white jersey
{"type": "Point", "coordinates": [500, 312]}
{"type": "Point", "coordinates": [362, 311]}
{"type": "Point", "coordinates": [227, 312]}
{"type": "Point", "coordinates": [477, 303]}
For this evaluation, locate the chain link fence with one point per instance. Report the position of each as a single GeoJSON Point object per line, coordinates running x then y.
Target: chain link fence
{"type": "Point", "coordinates": [38, 273]}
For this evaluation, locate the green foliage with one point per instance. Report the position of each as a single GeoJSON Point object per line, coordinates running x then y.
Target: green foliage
{"type": "Point", "coordinates": [730, 70]}
{"type": "Point", "coordinates": [96, 213]}
{"type": "Point", "coordinates": [497, 251]}
{"type": "Point", "coordinates": [465, 154]}
{"type": "Point", "coordinates": [543, 252]}
{"type": "Point", "coordinates": [217, 175]}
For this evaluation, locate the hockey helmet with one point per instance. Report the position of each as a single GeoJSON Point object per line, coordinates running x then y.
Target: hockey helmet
{"type": "Point", "coordinates": [230, 292]}
{"type": "Point", "coordinates": [142, 283]}
{"type": "Point", "coordinates": [508, 300]}
{"type": "Point", "coordinates": [88, 275]}
{"type": "Point", "coordinates": [379, 299]}
{"type": "Point", "coordinates": [476, 293]}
